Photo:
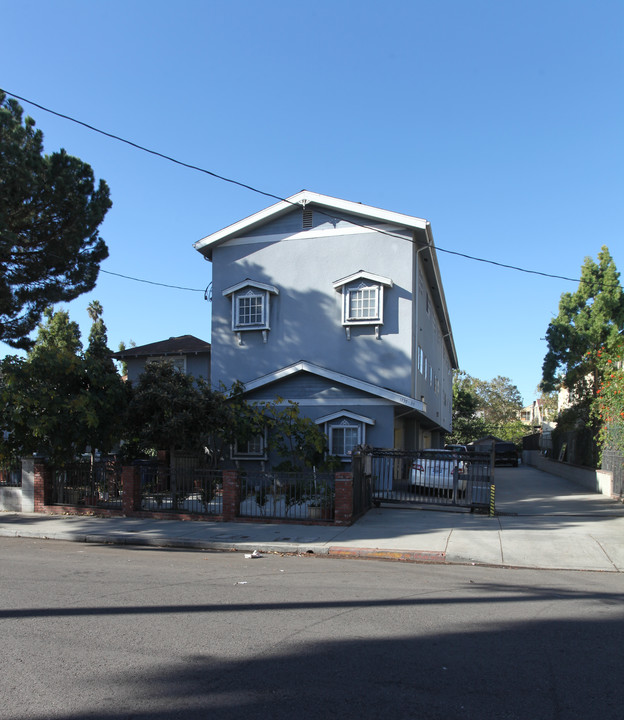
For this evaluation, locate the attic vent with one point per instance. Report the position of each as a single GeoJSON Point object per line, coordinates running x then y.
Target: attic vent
{"type": "Point", "coordinates": [306, 219]}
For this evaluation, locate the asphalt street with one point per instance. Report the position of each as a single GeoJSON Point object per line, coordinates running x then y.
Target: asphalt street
{"type": "Point", "coordinates": [114, 633]}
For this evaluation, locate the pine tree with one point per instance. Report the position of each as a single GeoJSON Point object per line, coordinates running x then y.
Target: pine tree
{"type": "Point", "coordinates": [50, 211]}
{"type": "Point", "coordinates": [105, 393]}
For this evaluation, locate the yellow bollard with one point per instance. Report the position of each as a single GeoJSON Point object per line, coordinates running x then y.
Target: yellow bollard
{"type": "Point", "coordinates": [492, 494]}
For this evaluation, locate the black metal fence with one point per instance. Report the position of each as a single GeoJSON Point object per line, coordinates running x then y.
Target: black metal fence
{"type": "Point", "coordinates": [85, 484]}
{"type": "Point", "coordinates": [180, 489]}
{"type": "Point", "coordinates": [288, 496]}
{"type": "Point", "coordinates": [11, 474]}
{"type": "Point", "coordinates": [427, 477]}
{"type": "Point", "coordinates": [614, 461]}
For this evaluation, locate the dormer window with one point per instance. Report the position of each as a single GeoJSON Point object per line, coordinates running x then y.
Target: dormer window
{"type": "Point", "coordinates": [363, 303]}
{"type": "Point", "coordinates": [362, 300]}
{"type": "Point", "coordinates": [250, 310]}
{"type": "Point", "coordinates": [250, 307]}
{"type": "Point", "coordinates": [345, 430]}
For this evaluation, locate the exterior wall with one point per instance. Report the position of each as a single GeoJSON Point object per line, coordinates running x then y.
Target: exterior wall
{"type": "Point", "coordinates": [196, 365]}
{"type": "Point", "coordinates": [306, 316]}
{"type": "Point", "coordinates": [436, 387]}
{"type": "Point", "coordinates": [597, 480]}
{"type": "Point", "coordinates": [20, 499]}
{"type": "Point", "coordinates": [318, 397]}
{"type": "Point", "coordinates": [10, 499]}
{"type": "Point", "coordinates": [306, 321]}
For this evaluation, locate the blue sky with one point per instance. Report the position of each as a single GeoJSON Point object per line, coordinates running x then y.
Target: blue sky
{"type": "Point", "coordinates": [500, 123]}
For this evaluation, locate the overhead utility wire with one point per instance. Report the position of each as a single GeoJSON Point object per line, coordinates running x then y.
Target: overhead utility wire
{"type": "Point", "coordinates": [150, 282]}
{"type": "Point", "coordinates": [266, 194]}
{"type": "Point", "coordinates": [141, 147]}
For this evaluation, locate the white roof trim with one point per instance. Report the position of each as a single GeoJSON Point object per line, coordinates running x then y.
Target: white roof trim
{"type": "Point", "coordinates": [358, 209]}
{"type": "Point", "coordinates": [250, 283]}
{"type": "Point", "coordinates": [362, 274]}
{"type": "Point", "coordinates": [345, 413]}
{"type": "Point", "coordinates": [304, 366]}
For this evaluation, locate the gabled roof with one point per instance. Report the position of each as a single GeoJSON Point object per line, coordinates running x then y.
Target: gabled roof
{"type": "Point", "coordinates": [304, 366]}
{"type": "Point", "coordinates": [301, 199]}
{"type": "Point", "coordinates": [362, 275]}
{"type": "Point", "coordinates": [250, 283]}
{"type": "Point", "coordinates": [182, 345]}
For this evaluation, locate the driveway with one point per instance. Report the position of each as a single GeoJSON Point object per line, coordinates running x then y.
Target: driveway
{"type": "Point", "coordinates": [527, 491]}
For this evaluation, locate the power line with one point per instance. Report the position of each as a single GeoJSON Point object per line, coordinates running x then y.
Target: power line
{"type": "Point", "coordinates": [151, 282]}
{"type": "Point", "coordinates": [141, 147]}
{"type": "Point", "coordinates": [275, 197]}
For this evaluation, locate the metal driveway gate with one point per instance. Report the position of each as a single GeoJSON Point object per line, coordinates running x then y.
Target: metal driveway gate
{"type": "Point", "coordinates": [435, 477]}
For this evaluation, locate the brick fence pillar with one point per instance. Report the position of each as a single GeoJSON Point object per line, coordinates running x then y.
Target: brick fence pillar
{"type": "Point", "coordinates": [42, 485]}
{"type": "Point", "coordinates": [343, 507]}
{"type": "Point", "coordinates": [231, 495]}
{"type": "Point", "coordinates": [131, 486]}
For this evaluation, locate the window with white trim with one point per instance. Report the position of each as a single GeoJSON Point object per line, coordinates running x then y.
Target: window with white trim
{"type": "Point", "coordinates": [251, 309]}
{"type": "Point", "coordinates": [343, 438]}
{"type": "Point", "coordinates": [362, 300]}
{"type": "Point", "coordinates": [363, 303]}
{"type": "Point", "coordinates": [345, 430]}
{"type": "Point", "coordinates": [252, 449]}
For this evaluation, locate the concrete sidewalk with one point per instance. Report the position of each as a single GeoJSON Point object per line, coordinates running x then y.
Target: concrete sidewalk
{"type": "Point", "coordinates": [541, 522]}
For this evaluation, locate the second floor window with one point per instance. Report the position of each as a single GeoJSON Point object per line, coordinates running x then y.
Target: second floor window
{"type": "Point", "coordinates": [362, 300]}
{"type": "Point", "coordinates": [250, 309]}
{"type": "Point", "coordinates": [363, 303]}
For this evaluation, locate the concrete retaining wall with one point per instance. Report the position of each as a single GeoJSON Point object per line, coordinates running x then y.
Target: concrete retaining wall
{"type": "Point", "coordinates": [20, 499]}
{"type": "Point", "coordinates": [597, 480]}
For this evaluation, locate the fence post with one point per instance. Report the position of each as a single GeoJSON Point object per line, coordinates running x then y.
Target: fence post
{"type": "Point", "coordinates": [231, 495]}
{"type": "Point", "coordinates": [131, 487]}
{"type": "Point", "coordinates": [343, 505]}
{"type": "Point", "coordinates": [42, 485]}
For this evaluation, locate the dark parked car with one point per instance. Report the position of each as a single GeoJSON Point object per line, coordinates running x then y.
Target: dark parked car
{"type": "Point", "coordinates": [506, 453]}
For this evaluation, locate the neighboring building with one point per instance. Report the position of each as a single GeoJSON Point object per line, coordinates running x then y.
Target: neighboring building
{"type": "Point", "coordinates": [340, 307]}
{"type": "Point", "coordinates": [187, 353]}
{"type": "Point", "coordinates": [534, 414]}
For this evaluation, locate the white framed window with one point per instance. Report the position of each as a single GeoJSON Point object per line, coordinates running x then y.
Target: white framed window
{"type": "Point", "coordinates": [343, 438]}
{"type": "Point", "coordinates": [362, 300]}
{"type": "Point", "coordinates": [251, 308]}
{"type": "Point", "coordinates": [252, 449]}
{"type": "Point", "coordinates": [363, 303]}
{"type": "Point", "coordinates": [345, 430]}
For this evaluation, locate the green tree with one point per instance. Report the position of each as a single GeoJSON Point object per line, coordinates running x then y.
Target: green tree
{"type": "Point", "coordinates": [59, 400]}
{"type": "Point", "coordinates": [608, 405]}
{"type": "Point", "coordinates": [50, 211]}
{"type": "Point", "coordinates": [499, 401]}
{"type": "Point", "coordinates": [467, 425]}
{"type": "Point", "coordinates": [105, 393]}
{"type": "Point", "coordinates": [166, 410]}
{"type": "Point", "coordinates": [484, 407]}
{"type": "Point", "coordinates": [296, 439]}
{"type": "Point", "coordinates": [587, 320]}
{"type": "Point", "coordinates": [43, 397]}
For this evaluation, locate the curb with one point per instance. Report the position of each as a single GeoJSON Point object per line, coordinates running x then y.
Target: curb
{"type": "Point", "coordinates": [415, 556]}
